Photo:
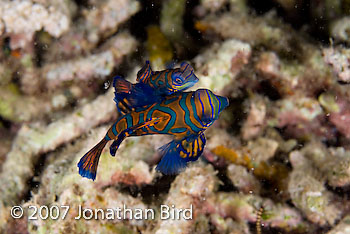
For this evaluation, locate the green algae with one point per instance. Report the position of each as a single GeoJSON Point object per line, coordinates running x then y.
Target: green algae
{"type": "Point", "coordinates": [328, 101]}
{"type": "Point", "coordinates": [8, 99]}
{"type": "Point", "coordinates": [158, 47]}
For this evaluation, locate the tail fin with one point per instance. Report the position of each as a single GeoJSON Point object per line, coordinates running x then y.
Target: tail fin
{"type": "Point", "coordinates": [89, 162]}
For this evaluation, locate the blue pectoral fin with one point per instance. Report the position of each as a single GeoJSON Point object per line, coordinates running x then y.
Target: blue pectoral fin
{"type": "Point", "coordinates": [171, 162]}
{"type": "Point", "coordinates": [177, 154]}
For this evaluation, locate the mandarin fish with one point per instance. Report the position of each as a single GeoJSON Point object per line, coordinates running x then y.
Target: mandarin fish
{"type": "Point", "coordinates": [152, 86]}
{"type": "Point", "coordinates": [185, 115]}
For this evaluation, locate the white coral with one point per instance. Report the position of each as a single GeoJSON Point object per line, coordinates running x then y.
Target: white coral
{"type": "Point", "coordinates": [27, 17]}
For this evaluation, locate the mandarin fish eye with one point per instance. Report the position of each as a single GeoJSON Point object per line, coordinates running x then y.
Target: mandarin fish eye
{"type": "Point", "coordinates": [177, 78]}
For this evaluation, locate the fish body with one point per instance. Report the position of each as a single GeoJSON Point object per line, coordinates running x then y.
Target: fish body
{"type": "Point", "coordinates": [184, 115]}
{"type": "Point", "coordinates": [152, 86]}
{"type": "Point", "coordinates": [167, 81]}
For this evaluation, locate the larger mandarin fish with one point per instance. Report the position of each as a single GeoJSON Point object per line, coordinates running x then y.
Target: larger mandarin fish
{"type": "Point", "coordinates": [185, 115]}
{"type": "Point", "coordinates": [152, 86]}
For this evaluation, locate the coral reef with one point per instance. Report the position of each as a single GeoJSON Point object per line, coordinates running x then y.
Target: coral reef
{"type": "Point", "coordinates": [31, 141]}
{"type": "Point", "coordinates": [310, 195]}
{"type": "Point", "coordinates": [339, 59]}
{"type": "Point", "coordinates": [342, 227]}
{"type": "Point", "coordinates": [26, 17]}
{"type": "Point", "coordinates": [221, 63]}
{"type": "Point", "coordinates": [276, 161]}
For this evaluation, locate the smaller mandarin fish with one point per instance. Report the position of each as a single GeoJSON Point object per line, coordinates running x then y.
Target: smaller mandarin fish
{"type": "Point", "coordinates": [152, 86]}
{"type": "Point", "coordinates": [184, 115]}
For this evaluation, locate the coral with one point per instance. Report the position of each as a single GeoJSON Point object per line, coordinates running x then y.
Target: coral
{"type": "Point", "coordinates": [255, 122]}
{"type": "Point", "coordinates": [220, 64]}
{"type": "Point", "coordinates": [95, 24]}
{"type": "Point", "coordinates": [242, 179]}
{"type": "Point", "coordinates": [243, 208]}
{"type": "Point", "coordinates": [342, 227]}
{"type": "Point", "coordinates": [284, 146]}
{"type": "Point", "coordinates": [94, 66]}
{"type": "Point", "coordinates": [28, 17]}
{"type": "Point", "coordinates": [279, 156]}
{"type": "Point", "coordinates": [252, 30]}
{"type": "Point", "coordinates": [107, 15]}
{"type": "Point", "coordinates": [253, 156]}
{"type": "Point", "coordinates": [334, 163]}
{"type": "Point", "coordinates": [212, 5]}
{"type": "Point", "coordinates": [19, 108]}
{"type": "Point", "coordinates": [329, 102]}
{"type": "Point", "coordinates": [338, 58]}
{"type": "Point", "coordinates": [32, 141]}
{"type": "Point", "coordinates": [295, 77]}
{"type": "Point", "coordinates": [53, 78]}
{"type": "Point", "coordinates": [309, 194]}
{"type": "Point", "coordinates": [341, 119]}
{"type": "Point", "coordinates": [225, 225]}
{"type": "Point", "coordinates": [261, 149]}
{"type": "Point", "coordinates": [301, 118]}
{"type": "Point", "coordinates": [191, 187]}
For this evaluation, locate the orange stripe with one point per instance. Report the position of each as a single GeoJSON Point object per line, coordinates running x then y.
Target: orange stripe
{"type": "Point", "coordinates": [189, 106]}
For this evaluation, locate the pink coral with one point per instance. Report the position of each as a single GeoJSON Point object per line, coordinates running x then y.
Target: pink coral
{"type": "Point", "coordinates": [341, 119]}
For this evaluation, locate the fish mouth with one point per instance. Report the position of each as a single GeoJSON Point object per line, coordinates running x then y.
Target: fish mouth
{"type": "Point", "coordinates": [192, 79]}
{"type": "Point", "coordinates": [186, 86]}
{"type": "Point", "coordinates": [189, 82]}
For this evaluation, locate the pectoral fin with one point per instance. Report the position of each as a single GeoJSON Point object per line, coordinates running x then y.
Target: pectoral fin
{"type": "Point", "coordinates": [177, 153]}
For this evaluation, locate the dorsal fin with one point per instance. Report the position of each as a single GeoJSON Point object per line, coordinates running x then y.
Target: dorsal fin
{"type": "Point", "coordinates": [144, 73]}
{"type": "Point", "coordinates": [186, 70]}
{"type": "Point", "coordinates": [121, 85]}
{"type": "Point", "coordinates": [130, 96]}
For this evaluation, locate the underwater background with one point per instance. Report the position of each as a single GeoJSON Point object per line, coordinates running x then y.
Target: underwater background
{"type": "Point", "coordinates": [276, 161]}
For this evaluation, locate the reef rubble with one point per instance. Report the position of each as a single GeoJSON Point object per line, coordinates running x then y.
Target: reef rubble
{"type": "Point", "coordinates": [277, 160]}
